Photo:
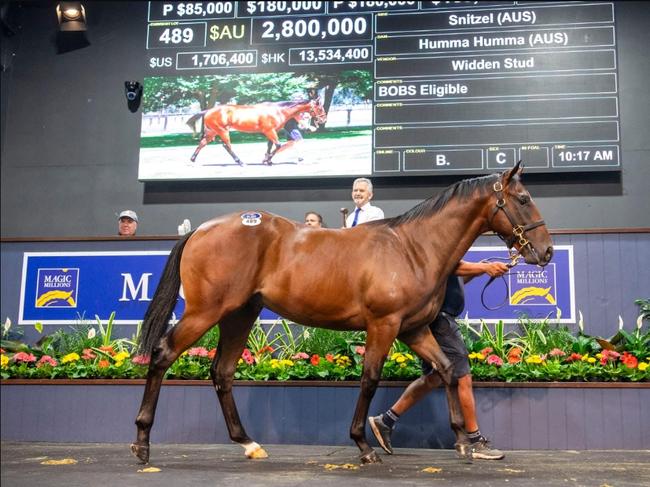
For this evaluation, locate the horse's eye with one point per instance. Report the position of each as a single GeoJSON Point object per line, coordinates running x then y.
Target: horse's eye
{"type": "Point", "coordinates": [524, 199]}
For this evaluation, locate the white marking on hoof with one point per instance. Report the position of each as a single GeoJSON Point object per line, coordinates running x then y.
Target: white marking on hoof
{"type": "Point", "coordinates": [254, 450]}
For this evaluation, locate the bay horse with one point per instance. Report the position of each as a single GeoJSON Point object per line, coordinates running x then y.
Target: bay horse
{"type": "Point", "coordinates": [265, 118]}
{"type": "Point", "coordinates": [387, 277]}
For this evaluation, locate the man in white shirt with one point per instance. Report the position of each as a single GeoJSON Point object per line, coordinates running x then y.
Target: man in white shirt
{"type": "Point", "coordinates": [364, 211]}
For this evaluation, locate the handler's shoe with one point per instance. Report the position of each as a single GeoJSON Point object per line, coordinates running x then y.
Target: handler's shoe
{"type": "Point", "coordinates": [483, 451]}
{"type": "Point", "coordinates": [382, 432]}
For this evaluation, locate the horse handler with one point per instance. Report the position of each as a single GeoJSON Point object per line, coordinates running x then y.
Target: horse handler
{"type": "Point", "coordinates": [446, 332]}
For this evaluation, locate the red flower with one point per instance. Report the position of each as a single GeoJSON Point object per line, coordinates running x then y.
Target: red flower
{"type": "Point", "coordinates": [103, 364]}
{"type": "Point", "coordinates": [556, 352]}
{"type": "Point", "coordinates": [266, 349]}
{"type": "Point", "coordinates": [608, 355]}
{"type": "Point", "coordinates": [361, 350]}
{"type": "Point", "coordinates": [487, 351]}
{"type": "Point", "coordinates": [46, 360]}
{"type": "Point", "coordinates": [629, 360]}
{"type": "Point", "coordinates": [247, 356]}
{"type": "Point", "coordinates": [212, 353]}
{"type": "Point", "coordinates": [108, 349]}
{"type": "Point", "coordinates": [514, 359]}
{"type": "Point", "coordinates": [141, 359]}
{"type": "Point", "coordinates": [574, 357]}
{"type": "Point", "coordinates": [24, 357]}
{"type": "Point", "coordinates": [315, 359]}
{"type": "Point", "coordinates": [329, 357]}
{"type": "Point", "coordinates": [494, 360]}
{"type": "Point", "coordinates": [198, 352]}
{"type": "Point", "coordinates": [88, 354]}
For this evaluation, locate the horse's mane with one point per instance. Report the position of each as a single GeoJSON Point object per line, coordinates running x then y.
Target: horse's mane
{"type": "Point", "coordinates": [461, 190]}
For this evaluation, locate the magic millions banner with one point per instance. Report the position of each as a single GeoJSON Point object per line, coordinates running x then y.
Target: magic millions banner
{"type": "Point", "coordinates": [66, 287]}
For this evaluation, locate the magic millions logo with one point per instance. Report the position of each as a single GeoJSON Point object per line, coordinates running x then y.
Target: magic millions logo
{"type": "Point", "coordinates": [57, 288]}
{"type": "Point", "coordinates": [532, 285]}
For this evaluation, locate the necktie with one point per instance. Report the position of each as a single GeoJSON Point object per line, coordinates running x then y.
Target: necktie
{"type": "Point", "coordinates": [356, 217]}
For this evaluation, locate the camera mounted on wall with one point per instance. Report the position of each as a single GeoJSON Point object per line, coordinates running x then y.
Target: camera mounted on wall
{"type": "Point", "coordinates": [133, 92]}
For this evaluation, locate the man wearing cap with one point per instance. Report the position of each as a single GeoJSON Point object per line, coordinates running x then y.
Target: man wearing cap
{"type": "Point", "coordinates": [127, 223]}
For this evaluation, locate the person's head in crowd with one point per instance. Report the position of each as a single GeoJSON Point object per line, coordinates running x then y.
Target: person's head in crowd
{"type": "Point", "coordinates": [361, 191]}
{"type": "Point", "coordinates": [127, 223]}
{"type": "Point", "coordinates": [313, 219]}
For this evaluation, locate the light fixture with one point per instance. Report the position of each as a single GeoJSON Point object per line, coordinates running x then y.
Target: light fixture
{"type": "Point", "coordinates": [72, 16]}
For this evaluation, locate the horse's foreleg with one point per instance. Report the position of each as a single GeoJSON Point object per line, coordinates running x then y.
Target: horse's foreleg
{"type": "Point", "coordinates": [234, 330]}
{"type": "Point", "coordinates": [377, 347]}
{"type": "Point", "coordinates": [175, 342]}
{"type": "Point", "coordinates": [457, 422]}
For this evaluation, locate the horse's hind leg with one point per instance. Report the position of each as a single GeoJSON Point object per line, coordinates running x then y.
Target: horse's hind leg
{"type": "Point", "coordinates": [378, 342]}
{"type": "Point", "coordinates": [234, 330]}
{"type": "Point", "coordinates": [171, 345]}
{"type": "Point", "coordinates": [207, 138]}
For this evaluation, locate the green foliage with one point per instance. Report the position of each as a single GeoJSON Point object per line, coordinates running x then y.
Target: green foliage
{"type": "Point", "coordinates": [174, 94]}
{"type": "Point", "coordinates": [644, 308]}
{"type": "Point", "coordinates": [542, 350]}
{"type": "Point", "coordinates": [482, 338]}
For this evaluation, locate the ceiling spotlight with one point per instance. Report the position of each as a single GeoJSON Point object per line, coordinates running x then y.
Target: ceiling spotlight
{"type": "Point", "coordinates": [72, 16]}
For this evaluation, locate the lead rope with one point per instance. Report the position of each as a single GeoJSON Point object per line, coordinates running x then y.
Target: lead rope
{"type": "Point", "coordinates": [511, 262]}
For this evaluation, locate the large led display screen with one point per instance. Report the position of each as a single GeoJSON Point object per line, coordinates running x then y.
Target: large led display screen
{"type": "Point", "coordinates": [387, 88]}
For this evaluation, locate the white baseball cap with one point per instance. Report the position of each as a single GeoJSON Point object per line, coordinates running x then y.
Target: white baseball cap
{"type": "Point", "coordinates": [129, 214]}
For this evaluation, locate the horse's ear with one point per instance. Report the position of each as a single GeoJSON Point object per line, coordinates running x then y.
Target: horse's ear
{"type": "Point", "coordinates": [511, 173]}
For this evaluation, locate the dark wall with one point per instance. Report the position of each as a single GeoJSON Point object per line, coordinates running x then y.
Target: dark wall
{"type": "Point", "coordinates": [70, 146]}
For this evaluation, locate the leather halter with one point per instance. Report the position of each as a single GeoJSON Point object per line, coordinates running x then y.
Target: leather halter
{"type": "Point", "coordinates": [518, 231]}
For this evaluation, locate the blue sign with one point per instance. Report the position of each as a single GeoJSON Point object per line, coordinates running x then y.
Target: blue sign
{"type": "Point", "coordinates": [526, 290]}
{"type": "Point", "coordinates": [61, 288]}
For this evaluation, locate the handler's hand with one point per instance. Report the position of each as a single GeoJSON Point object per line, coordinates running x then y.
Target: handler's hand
{"type": "Point", "coordinates": [495, 269]}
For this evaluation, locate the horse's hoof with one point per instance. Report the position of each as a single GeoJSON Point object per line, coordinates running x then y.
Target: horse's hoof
{"type": "Point", "coordinates": [370, 457]}
{"type": "Point", "coordinates": [257, 454]}
{"type": "Point", "coordinates": [141, 452]}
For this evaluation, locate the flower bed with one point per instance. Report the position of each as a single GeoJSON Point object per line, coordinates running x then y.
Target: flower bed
{"type": "Point", "coordinates": [540, 351]}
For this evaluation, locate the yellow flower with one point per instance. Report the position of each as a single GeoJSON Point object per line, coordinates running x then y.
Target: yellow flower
{"type": "Point", "coordinates": [591, 360]}
{"type": "Point", "coordinates": [585, 357]}
{"type": "Point", "coordinates": [477, 356]}
{"type": "Point", "coordinates": [642, 366]}
{"type": "Point", "coordinates": [599, 356]}
{"type": "Point", "coordinates": [400, 359]}
{"type": "Point", "coordinates": [343, 361]}
{"type": "Point", "coordinates": [4, 361]}
{"type": "Point", "coordinates": [120, 357]}
{"type": "Point", "coordinates": [534, 359]}
{"type": "Point", "coordinates": [409, 356]}
{"type": "Point", "coordinates": [118, 364]}
{"type": "Point", "coordinates": [395, 355]}
{"type": "Point", "coordinates": [71, 357]}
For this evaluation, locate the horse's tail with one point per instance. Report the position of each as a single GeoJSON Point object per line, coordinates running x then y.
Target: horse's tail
{"type": "Point", "coordinates": [191, 122]}
{"type": "Point", "coordinates": [160, 309]}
